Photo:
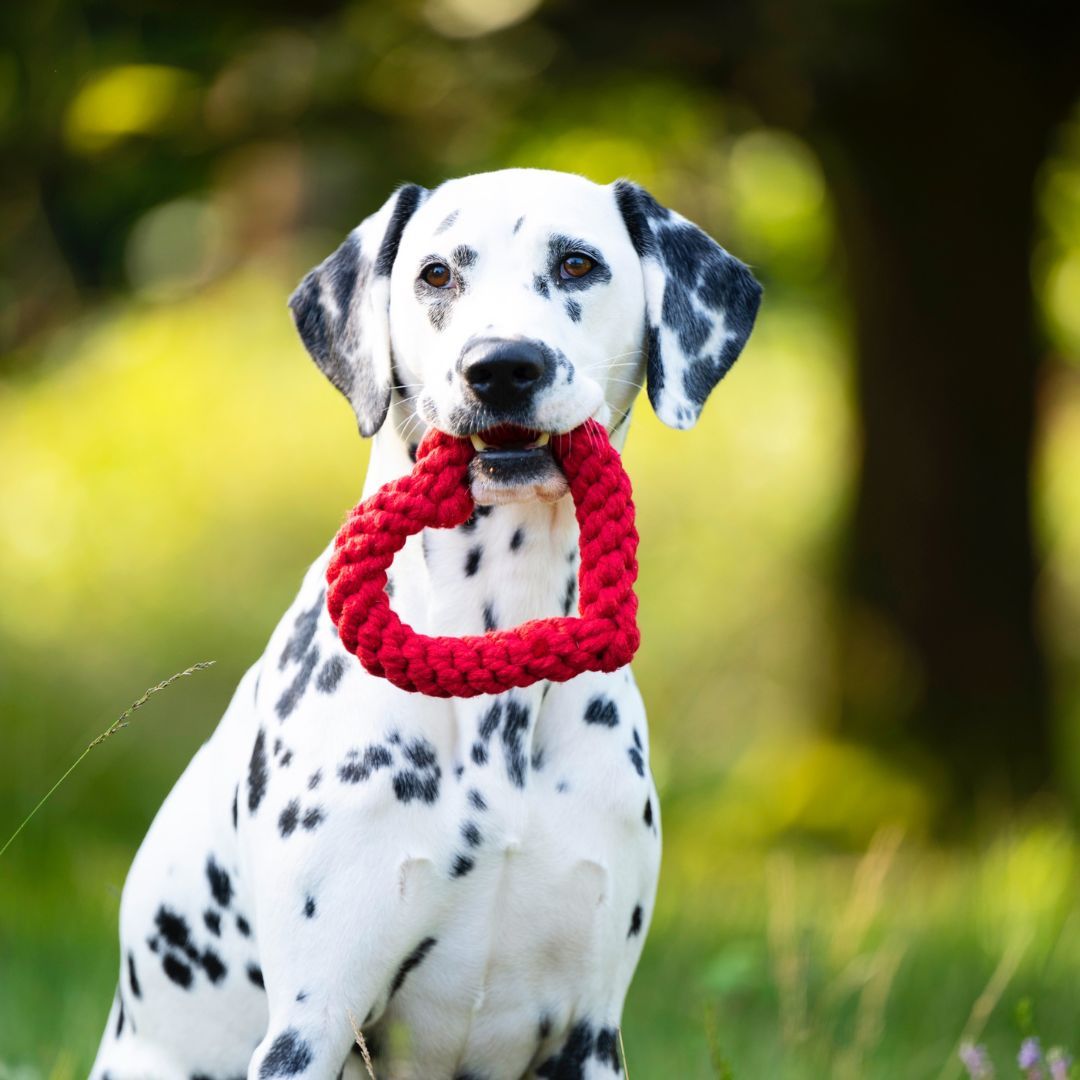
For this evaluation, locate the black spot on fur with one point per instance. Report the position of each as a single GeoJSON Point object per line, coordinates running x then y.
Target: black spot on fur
{"type": "Point", "coordinates": [544, 1029]}
{"type": "Point", "coordinates": [409, 198]}
{"type": "Point", "coordinates": [177, 970]}
{"type": "Point", "coordinates": [356, 767]}
{"type": "Point", "coordinates": [607, 1048]}
{"type": "Point", "coordinates": [479, 753]}
{"type": "Point", "coordinates": [462, 865]}
{"type": "Point", "coordinates": [291, 695]}
{"type": "Point", "coordinates": [423, 783]}
{"type": "Point", "coordinates": [513, 736]}
{"type": "Point", "coordinates": [464, 255]}
{"type": "Point", "coordinates": [540, 284]}
{"type": "Point", "coordinates": [635, 921]}
{"type": "Point", "coordinates": [420, 753]}
{"type": "Point", "coordinates": [119, 1015]}
{"type": "Point", "coordinates": [213, 922]}
{"type": "Point", "coordinates": [287, 1056]}
{"type": "Point", "coordinates": [313, 818]}
{"type": "Point", "coordinates": [304, 627]}
{"type": "Point", "coordinates": [602, 710]}
{"type": "Point", "coordinates": [289, 818]}
{"type": "Point", "coordinates": [172, 927]}
{"type": "Point", "coordinates": [573, 309]}
{"type": "Point", "coordinates": [415, 785]}
{"type": "Point", "coordinates": [637, 760]}
{"type": "Point", "coordinates": [517, 539]}
{"type": "Point", "coordinates": [472, 560]}
{"type": "Point", "coordinates": [569, 1063]}
{"type": "Point", "coordinates": [648, 813]}
{"type": "Point", "coordinates": [212, 965]}
{"type": "Point", "coordinates": [309, 907]}
{"type": "Point", "coordinates": [255, 975]}
{"type": "Point", "coordinates": [490, 622]}
{"type": "Point", "coordinates": [629, 198]}
{"type": "Point", "coordinates": [489, 722]}
{"type": "Point", "coordinates": [447, 221]}
{"type": "Point", "coordinates": [477, 799]}
{"type": "Point", "coordinates": [220, 885]}
{"type": "Point", "coordinates": [570, 594]}
{"type": "Point", "coordinates": [330, 674]}
{"type": "Point", "coordinates": [654, 362]}
{"type": "Point", "coordinates": [235, 805]}
{"type": "Point", "coordinates": [243, 926]}
{"type": "Point", "coordinates": [517, 224]}
{"type": "Point", "coordinates": [314, 780]}
{"type": "Point", "coordinates": [133, 978]}
{"type": "Point", "coordinates": [411, 962]}
{"type": "Point", "coordinates": [258, 775]}
{"type": "Point", "coordinates": [471, 832]}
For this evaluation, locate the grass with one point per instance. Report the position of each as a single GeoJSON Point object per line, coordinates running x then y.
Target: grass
{"type": "Point", "coordinates": [121, 722]}
{"type": "Point", "coordinates": [794, 963]}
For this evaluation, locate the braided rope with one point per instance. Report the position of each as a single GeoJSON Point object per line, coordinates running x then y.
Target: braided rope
{"type": "Point", "coordinates": [436, 495]}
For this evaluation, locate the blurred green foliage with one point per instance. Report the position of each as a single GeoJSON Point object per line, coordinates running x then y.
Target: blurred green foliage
{"type": "Point", "coordinates": [171, 462]}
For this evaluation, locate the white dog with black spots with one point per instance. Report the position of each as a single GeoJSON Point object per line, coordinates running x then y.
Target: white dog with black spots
{"type": "Point", "coordinates": [480, 872]}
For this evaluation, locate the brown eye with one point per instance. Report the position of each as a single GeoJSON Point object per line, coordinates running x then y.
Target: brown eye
{"type": "Point", "coordinates": [576, 266]}
{"type": "Point", "coordinates": [437, 274]}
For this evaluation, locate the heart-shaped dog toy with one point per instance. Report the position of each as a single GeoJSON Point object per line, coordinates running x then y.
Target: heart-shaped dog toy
{"type": "Point", "coordinates": [436, 495]}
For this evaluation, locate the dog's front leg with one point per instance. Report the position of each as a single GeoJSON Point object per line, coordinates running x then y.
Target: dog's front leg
{"type": "Point", "coordinates": [334, 953]}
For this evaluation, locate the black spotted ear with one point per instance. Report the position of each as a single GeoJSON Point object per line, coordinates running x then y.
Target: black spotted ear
{"type": "Point", "coordinates": [700, 305]}
{"type": "Point", "coordinates": [342, 309]}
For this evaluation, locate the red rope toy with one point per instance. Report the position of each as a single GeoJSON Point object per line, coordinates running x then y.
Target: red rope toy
{"type": "Point", "coordinates": [436, 495]}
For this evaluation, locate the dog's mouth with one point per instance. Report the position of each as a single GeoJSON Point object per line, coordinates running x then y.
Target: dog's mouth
{"type": "Point", "coordinates": [510, 438]}
{"type": "Point", "coordinates": [514, 464]}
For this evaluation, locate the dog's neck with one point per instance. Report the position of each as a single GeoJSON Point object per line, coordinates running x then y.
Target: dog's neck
{"type": "Point", "coordinates": [506, 565]}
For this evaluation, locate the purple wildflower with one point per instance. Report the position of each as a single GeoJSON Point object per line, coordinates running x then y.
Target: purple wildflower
{"type": "Point", "coordinates": [1059, 1063]}
{"type": "Point", "coordinates": [1030, 1059]}
{"type": "Point", "coordinates": [976, 1061]}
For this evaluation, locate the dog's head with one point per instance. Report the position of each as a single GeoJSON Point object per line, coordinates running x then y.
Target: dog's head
{"type": "Point", "coordinates": [512, 305]}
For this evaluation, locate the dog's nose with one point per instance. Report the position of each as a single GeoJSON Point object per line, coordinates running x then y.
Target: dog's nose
{"type": "Point", "coordinates": [505, 375]}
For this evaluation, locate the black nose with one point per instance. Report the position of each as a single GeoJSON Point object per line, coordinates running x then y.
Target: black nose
{"type": "Point", "coordinates": [505, 374]}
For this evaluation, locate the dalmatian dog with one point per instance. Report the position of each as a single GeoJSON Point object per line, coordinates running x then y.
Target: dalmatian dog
{"type": "Point", "coordinates": [467, 882]}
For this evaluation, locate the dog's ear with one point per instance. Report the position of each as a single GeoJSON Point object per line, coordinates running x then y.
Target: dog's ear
{"type": "Point", "coordinates": [700, 305]}
{"type": "Point", "coordinates": [342, 309]}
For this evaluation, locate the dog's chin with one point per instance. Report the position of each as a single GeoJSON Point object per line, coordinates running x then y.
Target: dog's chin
{"type": "Point", "coordinates": [508, 476]}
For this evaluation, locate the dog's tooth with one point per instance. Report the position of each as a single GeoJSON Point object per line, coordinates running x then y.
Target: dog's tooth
{"type": "Point", "coordinates": [478, 443]}
{"type": "Point", "coordinates": [543, 440]}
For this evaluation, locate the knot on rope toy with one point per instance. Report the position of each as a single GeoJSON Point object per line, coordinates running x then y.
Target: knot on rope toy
{"type": "Point", "coordinates": [436, 494]}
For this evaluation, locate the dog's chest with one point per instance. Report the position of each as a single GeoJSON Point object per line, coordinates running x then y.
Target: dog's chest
{"type": "Point", "coordinates": [521, 825]}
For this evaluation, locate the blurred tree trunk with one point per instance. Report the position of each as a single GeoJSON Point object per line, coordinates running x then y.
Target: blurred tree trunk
{"type": "Point", "coordinates": [933, 178]}
{"type": "Point", "coordinates": [932, 120]}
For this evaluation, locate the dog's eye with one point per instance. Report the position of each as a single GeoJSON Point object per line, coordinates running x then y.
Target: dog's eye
{"type": "Point", "coordinates": [575, 266]}
{"type": "Point", "coordinates": [436, 274]}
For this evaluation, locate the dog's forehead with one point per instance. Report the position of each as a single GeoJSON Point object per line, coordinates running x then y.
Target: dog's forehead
{"type": "Point", "coordinates": [517, 202]}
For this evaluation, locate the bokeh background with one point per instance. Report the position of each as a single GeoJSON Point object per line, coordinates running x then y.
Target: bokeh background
{"type": "Point", "coordinates": [860, 579]}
